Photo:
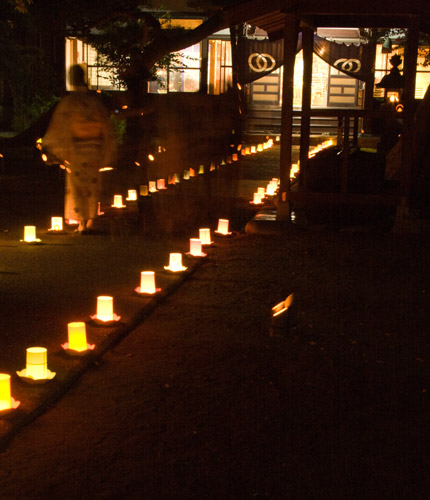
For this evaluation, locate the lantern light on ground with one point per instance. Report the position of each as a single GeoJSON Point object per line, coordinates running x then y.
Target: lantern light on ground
{"type": "Point", "coordinates": [117, 201]}
{"type": "Point", "coordinates": [77, 335]}
{"type": "Point", "coordinates": [147, 283]}
{"type": "Point", "coordinates": [161, 184]}
{"type": "Point", "coordinates": [132, 195]}
{"type": "Point", "coordinates": [105, 313]}
{"type": "Point", "coordinates": [223, 227]}
{"type": "Point", "coordinates": [7, 402]}
{"type": "Point", "coordinates": [196, 248]}
{"type": "Point", "coordinates": [30, 235]}
{"type": "Point", "coordinates": [56, 224]}
{"type": "Point", "coordinates": [152, 186]}
{"type": "Point", "coordinates": [175, 263]}
{"type": "Point", "coordinates": [36, 368]}
{"type": "Point", "coordinates": [205, 236]}
{"type": "Point", "coordinates": [143, 190]}
{"type": "Point", "coordinates": [282, 317]}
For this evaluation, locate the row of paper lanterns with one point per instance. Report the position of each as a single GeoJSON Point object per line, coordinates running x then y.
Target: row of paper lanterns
{"type": "Point", "coordinates": [36, 370]}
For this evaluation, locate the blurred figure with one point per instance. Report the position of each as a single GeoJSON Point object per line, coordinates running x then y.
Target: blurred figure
{"type": "Point", "coordinates": [80, 137]}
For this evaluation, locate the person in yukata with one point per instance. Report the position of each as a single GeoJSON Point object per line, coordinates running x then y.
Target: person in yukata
{"type": "Point", "coordinates": [80, 136]}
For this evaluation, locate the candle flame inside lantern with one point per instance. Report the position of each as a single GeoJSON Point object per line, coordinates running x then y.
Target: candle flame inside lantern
{"type": "Point", "coordinates": [132, 195]}
{"type": "Point", "coordinates": [56, 223]}
{"type": "Point", "coordinates": [223, 226]}
{"type": "Point", "coordinates": [5, 398]}
{"type": "Point", "coordinates": [30, 234]}
{"type": "Point", "coordinates": [205, 236]}
{"type": "Point", "coordinates": [105, 308]}
{"type": "Point", "coordinates": [161, 184]}
{"type": "Point", "coordinates": [37, 362]}
{"type": "Point", "coordinates": [77, 336]}
{"type": "Point", "coordinates": [117, 201]}
{"type": "Point", "coordinates": [147, 282]}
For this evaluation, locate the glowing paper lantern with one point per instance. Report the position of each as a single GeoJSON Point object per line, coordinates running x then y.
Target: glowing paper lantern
{"type": "Point", "coordinates": [192, 172]}
{"type": "Point", "coordinates": [257, 199]}
{"type": "Point", "coordinates": [143, 190]}
{"type": "Point", "coordinates": [152, 187]}
{"type": "Point", "coordinates": [205, 236]}
{"type": "Point", "coordinates": [186, 175]}
{"type": "Point", "coordinates": [77, 338]}
{"type": "Point", "coordinates": [56, 224]}
{"type": "Point", "coordinates": [30, 234]}
{"type": "Point", "coordinates": [6, 400]}
{"type": "Point", "coordinates": [161, 184]}
{"type": "Point", "coordinates": [260, 148]}
{"type": "Point", "coordinates": [223, 227]}
{"type": "Point", "coordinates": [201, 169]}
{"type": "Point", "coordinates": [132, 195]}
{"type": "Point", "coordinates": [261, 191]}
{"type": "Point", "coordinates": [176, 178]}
{"type": "Point", "coordinates": [175, 263]}
{"type": "Point", "coordinates": [147, 283]}
{"type": "Point", "coordinates": [196, 248]}
{"type": "Point", "coordinates": [105, 314]}
{"type": "Point", "coordinates": [117, 201]}
{"type": "Point", "coordinates": [234, 157]}
{"type": "Point", "coordinates": [253, 149]}
{"type": "Point", "coordinates": [36, 368]}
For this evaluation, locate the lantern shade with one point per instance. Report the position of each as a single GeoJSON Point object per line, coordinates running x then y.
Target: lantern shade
{"type": "Point", "coordinates": [117, 201]}
{"type": "Point", "coordinates": [132, 195]}
{"type": "Point", "coordinates": [105, 308]}
{"type": "Point", "coordinates": [234, 157]}
{"type": "Point", "coordinates": [186, 175]}
{"type": "Point", "coordinates": [223, 227]}
{"type": "Point", "coordinates": [152, 187]}
{"type": "Point", "coordinates": [6, 400]}
{"type": "Point", "coordinates": [56, 224]}
{"type": "Point", "coordinates": [175, 263]}
{"type": "Point", "coordinates": [256, 199]}
{"type": "Point", "coordinates": [196, 248]}
{"type": "Point", "coordinates": [161, 184]}
{"type": "Point", "coordinates": [30, 235]}
{"type": "Point", "coordinates": [261, 191]}
{"type": "Point", "coordinates": [36, 369]}
{"type": "Point", "coordinates": [147, 283]}
{"type": "Point", "coordinates": [205, 236]}
{"type": "Point", "coordinates": [77, 336]}
{"type": "Point", "coordinates": [143, 190]}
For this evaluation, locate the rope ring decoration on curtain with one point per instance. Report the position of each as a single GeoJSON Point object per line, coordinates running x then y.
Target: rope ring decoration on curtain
{"type": "Point", "coordinates": [351, 65]}
{"type": "Point", "coordinates": [261, 62]}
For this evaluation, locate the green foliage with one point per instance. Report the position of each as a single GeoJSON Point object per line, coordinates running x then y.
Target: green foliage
{"type": "Point", "coordinates": [119, 127]}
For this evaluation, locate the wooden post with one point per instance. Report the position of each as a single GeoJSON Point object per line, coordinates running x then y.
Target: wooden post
{"type": "Point", "coordinates": [305, 127]}
{"type": "Point", "coordinates": [291, 31]}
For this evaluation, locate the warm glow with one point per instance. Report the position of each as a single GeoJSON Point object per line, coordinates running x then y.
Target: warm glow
{"type": "Point", "coordinates": [30, 234]}
{"type": "Point", "coordinates": [234, 157]}
{"type": "Point", "coordinates": [175, 263]}
{"type": "Point", "coordinates": [247, 151]}
{"type": "Point", "coordinates": [186, 175]}
{"type": "Point", "coordinates": [196, 248]}
{"type": "Point", "coordinates": [253, 149]}
{"type": "Point", "coordinates": [44, 157]}
{"type": "Point", "coordinates": [151, 157]}
{"type": "Point", "coordinates": [99, 208]}
{"type": "Point", "coordinates": [147, 282]}
{"type": "Point", "coordinates": [117, 201]}
{"type": "Point", "coordinates": [37, 362]}
{"type": "Point", "coordinates": [103, 169]}
{"type": "Point", "coordinates": [176, 178]}
{"type": "Point", "coordinates": [56, 224]}
{"type": "Point", "coordinates": [192, 172]}
{"type": "Point", "coordinates": [223, 226]}
{"type": "Point", "coordinates": [257, 199]}
{"type": "Point", "coordinates": [261, 191]}
{"type": "Point", "coordinates": [5, 398]}
{"type": "Point", "coordinates": [143, 190]}
{"type": "Point", "coordinates": [161, 184]}
{"type": "Point", "coordinates": [152, 186]}
{"type": "Point", "coordinates": [205, 236]}
{"type": "Point", "coordinates": [260, 148]}
{"type": "Point", "coordinates": [132, 195]}
{"type": "Point", "coordinates": [201, 169]}
{"type": "Point", "coordinates": [77, 336]}
{"type": "Point", "coordinates": [105, 308]}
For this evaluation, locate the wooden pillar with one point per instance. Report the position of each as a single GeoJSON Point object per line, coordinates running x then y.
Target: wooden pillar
{"type": "Point", "coordinates": [305, 126]}
{"type": "Point", "coordinates": [409, 72]}
{"type": "Point", "coordinates": [291, 31]}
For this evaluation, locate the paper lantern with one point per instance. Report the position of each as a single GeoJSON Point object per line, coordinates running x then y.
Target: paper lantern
{"type": "Point", "coordinates": [161, 184]}
{"type": "Point", "coordinates": [201, 169]}
{"type": "Point", "coordinates": [6, 400]}
{"type": "Point", "coordinates": [132, 195]}
{"type": "Point", "coordinates": [205, 236]}
{"type": "Point", "coordinates": [36, 368]}
{"type": "Point", "coordinates": [234, 157]}
{"type": "Point", "coordinates": [260, 148]}
{"type": "Point", "coordinates": [253, 149]}
{"type": "Point", "coordinates": [143, 190]}
{"type": "Point", "coordinates": [117, 201]}
{"type": "Point", "coordinates": [105, 313]}
{"type": "Point", "coordinates": [56, 224]}
{"type": "Point", "coordinates": [196, 248]}
{"type": "Point", "coordinates": [192, 172]}
{"type": "Point", "coordinates": [175, 263]}
{"type": "Point", "coordinates": [30, 234]}
{"type": "Point", "coordinates": [147, 283]}
{"type": "Point", "coordinates": [176, 178]}
{"type": "Point", "coordinates": [77, 337]}
{"type": "Point", "coordinates": [256, 199]}
{"type": "Point", "coordinates": [223, 227]}
{"type": "Point", "coordinates": [186, 175]}
{"type": "Point", "coordinates": [152, 186]}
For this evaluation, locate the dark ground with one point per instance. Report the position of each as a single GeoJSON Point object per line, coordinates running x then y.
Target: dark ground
{"type": "Point", "coordinates": [198, 401]}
